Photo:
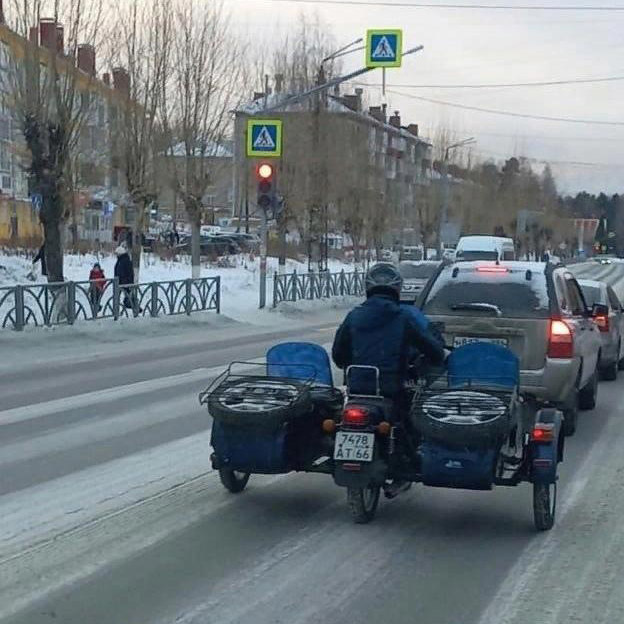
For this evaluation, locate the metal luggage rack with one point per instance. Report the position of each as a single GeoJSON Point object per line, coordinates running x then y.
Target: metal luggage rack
{"type": "Point", "coordinates": [249, 386]}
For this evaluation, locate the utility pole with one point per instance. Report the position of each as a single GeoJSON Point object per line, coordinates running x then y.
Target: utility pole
{"type": "Point", "coordinates": [446, 189]}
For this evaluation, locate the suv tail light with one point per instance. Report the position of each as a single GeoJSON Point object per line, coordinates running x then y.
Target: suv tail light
{"type": "Point", "coordinates": [355, 416]}
{"type": "Point", "coordinates": [561, 340]}
{"type": "Point", "coordinates": [603, 322]}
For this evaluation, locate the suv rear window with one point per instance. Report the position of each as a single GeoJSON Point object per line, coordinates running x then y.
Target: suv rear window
{"type": "Point", "coordinates": [510, 293]}
{"type": "Point", "coordinates": [593, 295]}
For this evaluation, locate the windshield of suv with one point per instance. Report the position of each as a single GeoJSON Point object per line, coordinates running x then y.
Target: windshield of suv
{"type": "Point", "coordinates": [417, 271]}
{"type": "Point", "coordinates": [476, 294]}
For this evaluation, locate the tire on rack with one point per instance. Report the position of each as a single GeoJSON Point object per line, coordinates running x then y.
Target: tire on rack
{"type": "Point", "coordinates": [233, 480]}
{"type": "Point", "coordinates": [588, 396]}
{"type": "Point", "coordinates": [363, 503]}
{"type": "Point", "coordinates": [544, 505]}
{"type": "Point", "coordinates": [239, 403]}
{"type": "Point", "coordinates": [484, 433]}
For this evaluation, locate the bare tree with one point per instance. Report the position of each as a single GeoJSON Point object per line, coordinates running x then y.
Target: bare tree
{"type": "Point", "coordinates": [140, 51]}
{"type": "Point", "coordinates": [202, 85]}
{"type": "Point", "coordinates": [50, 101]}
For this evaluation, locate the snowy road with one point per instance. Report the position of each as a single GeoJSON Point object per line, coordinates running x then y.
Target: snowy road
{"type": "Point", "coordinates": [110, 514]}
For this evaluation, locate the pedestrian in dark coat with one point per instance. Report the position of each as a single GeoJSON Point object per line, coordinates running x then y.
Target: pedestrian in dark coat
{"type": "Point", "coordinates": [124, 271]}
{"type": "Point", "coordinates": [123, 267]}
{"type": "Point", "coordinates": [96, 288]}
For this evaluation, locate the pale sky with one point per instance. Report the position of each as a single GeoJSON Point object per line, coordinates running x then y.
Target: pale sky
{"type": "Point", "coordinates": [485, 46]}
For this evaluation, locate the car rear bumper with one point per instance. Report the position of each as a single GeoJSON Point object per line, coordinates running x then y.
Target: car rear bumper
{"type": "Point", "coordinates": [553, 383]}
{"type": "Point", "coordinates": [609, 348]}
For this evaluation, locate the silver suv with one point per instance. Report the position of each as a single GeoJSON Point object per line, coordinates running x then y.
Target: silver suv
{"type": "Point", "coordinates": [535, 309]}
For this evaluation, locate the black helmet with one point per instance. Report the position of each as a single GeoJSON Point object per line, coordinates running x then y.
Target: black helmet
{"type": "Point", "coordinates": [383, 279]}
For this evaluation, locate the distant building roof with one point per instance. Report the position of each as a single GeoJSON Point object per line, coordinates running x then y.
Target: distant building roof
{"type": "Point", "coordinates": [213, 150]}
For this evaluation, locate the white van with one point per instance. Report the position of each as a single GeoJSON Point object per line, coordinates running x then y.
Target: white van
{"type": "Point", "coordinates": [495, 248]}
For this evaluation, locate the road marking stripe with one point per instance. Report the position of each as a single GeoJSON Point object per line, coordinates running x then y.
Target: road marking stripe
{"type": "Point", "coordinates": [98, 397]}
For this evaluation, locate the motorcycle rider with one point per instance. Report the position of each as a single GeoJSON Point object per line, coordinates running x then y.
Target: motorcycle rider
{"type": "Point", "coordinates": [382, 333]}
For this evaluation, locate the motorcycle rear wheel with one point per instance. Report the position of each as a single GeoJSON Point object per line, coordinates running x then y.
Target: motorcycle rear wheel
{"type": "Point", "coordinates": [363, 503]}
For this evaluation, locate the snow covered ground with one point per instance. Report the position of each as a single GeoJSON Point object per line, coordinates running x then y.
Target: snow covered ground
{"type": "Point", "coordinates": [239, 279]}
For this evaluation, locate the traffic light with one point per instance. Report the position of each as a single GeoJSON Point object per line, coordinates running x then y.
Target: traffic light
{"type": "Point", "coordinates": [266, 186]}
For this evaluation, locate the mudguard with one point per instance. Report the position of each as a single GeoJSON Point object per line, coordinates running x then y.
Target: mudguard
{"type": "Point", "coordinates": [374, 472]}
{"type": "Point", "coordinates": [544, 456]}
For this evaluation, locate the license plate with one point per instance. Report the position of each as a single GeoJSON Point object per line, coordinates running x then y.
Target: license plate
{"type": "Point", "coordinates": [460, 341]}
{"type": "Point", "coordinates": [351, 446]}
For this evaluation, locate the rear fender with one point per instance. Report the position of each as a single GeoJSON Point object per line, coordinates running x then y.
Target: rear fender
{"type": "Point", "coordinates": [360, 474]}
{"type": "Point", "coordinates": [544, 457]}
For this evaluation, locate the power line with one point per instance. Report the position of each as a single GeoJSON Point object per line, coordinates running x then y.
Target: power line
{"type": "Point", "coordinates": [556, 163]}
{"type": "Point", "coordinates": [492, 111]}
{"type": "Point", "coordinates": [431, 5]}
{"type": "Point", "coordinates": [502, 85]}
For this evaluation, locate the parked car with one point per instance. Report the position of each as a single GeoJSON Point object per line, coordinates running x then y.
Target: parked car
{"type": "Point", "coordinates": [211, 245]}
{"type": "Point", "coordinates": [535, 309]}
{"type": "Point", "coordinates": [411, 252]}
{"type": "Point", "coordinates": [246, 242]}
{"type": "Point", "coordinates": [471, 248]}
{"type": "Point", "coordinates": [611, 326]}
{"type": "Point", "coordinates": [415, 276]}
{"type": "Point", "coordinates": [603, 259]}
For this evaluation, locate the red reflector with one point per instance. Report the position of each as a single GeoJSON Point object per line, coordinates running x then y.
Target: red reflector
{"type": "Point", "coordinates": [543, 433]}
{"type": "Point", "coordinates": [492, 269]}
{"type": "Point", "coordinates": [352, 467]}
{"type": "Point", "coordinates": [602, 322]}
{"type": "Point", "coordinates": [355, 416]}
{"type": "Point", "coordinates": [561, 341]}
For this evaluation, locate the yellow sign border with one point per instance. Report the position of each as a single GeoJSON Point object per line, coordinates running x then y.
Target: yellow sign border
{"type": "Point", "coordinates": [277, 152]}
{"type": "Point", "coordinates": [369, 47]}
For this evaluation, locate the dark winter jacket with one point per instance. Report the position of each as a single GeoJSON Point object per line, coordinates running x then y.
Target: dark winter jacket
{"type": "Point", "coordinates": [382, 333]}
{"type": "Point", "coordinates": [124, 270]}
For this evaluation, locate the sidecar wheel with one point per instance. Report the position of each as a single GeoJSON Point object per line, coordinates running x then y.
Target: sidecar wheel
{"type": "Point", "coordinates": [233, 480]}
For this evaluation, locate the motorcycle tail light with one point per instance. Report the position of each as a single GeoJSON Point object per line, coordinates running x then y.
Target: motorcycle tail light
{"type": "Point", "coordinates": [355, 416]}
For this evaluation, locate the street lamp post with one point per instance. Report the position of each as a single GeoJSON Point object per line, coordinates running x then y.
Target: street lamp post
{"type": "Point", "coordinates": [323, 208]}
{"type": "Point", "coordinates": [445, 188]}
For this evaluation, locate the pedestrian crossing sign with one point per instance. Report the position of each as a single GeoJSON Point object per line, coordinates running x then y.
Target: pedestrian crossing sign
{"type": "Point", "coordinates": [384, 48]}
{"type": "Point", "coordinates": [264, 138]}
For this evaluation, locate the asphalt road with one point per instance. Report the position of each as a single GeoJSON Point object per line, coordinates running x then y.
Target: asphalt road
{"type": "Point", "coordinates": [110, 514]}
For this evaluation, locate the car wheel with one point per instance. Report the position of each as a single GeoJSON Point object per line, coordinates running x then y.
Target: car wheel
{"type": "Point", "coordinates": [588, 396]}
{"type": "Point", "coordinates": [610, 372]}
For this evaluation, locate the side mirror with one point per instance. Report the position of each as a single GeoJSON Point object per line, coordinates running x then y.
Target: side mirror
{"type": "Point", "coordinates": [599, 309]}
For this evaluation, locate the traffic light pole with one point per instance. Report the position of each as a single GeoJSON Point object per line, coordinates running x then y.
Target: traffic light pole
{"type": "Point", "coordinates": [263, 259]}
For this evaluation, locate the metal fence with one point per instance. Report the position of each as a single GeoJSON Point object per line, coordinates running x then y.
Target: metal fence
{"type": "Point", "coordinates": [298, 286]}
{"type": "Point", "coordinates": [66, 302]}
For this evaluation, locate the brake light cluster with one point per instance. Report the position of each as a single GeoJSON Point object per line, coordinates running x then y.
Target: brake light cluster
{"type": "Point", "coordinates": [543, 433]}
{"type": "Point", "coordinates": [561, 340]}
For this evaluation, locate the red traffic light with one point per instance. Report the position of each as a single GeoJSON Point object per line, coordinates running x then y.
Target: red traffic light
{"type": "Point", "coordinates": [265, 171]}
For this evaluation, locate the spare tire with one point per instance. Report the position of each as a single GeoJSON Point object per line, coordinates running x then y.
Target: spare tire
{"type": "Point", "coordinates": [259, 403]}
{"type": "Point", "coordinates": [462, 417]}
